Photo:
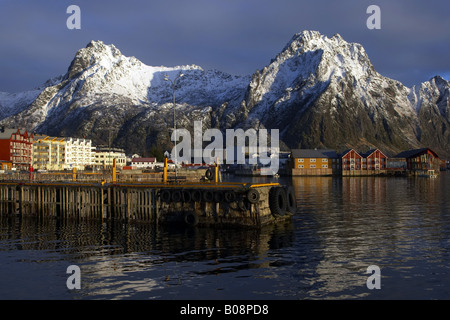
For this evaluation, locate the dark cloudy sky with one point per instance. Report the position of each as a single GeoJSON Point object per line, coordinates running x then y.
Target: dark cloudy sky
{"type": "Point", "coordinates": [235, 36]}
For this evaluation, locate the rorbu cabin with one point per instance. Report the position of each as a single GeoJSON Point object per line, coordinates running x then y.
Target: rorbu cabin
{"type": "Point", "coordinates": [421, 161]}
{"type": "Point", "coordinates": [374, 159]}
{"type": "Point", "coordinates": [351, 160]}
{"type": "Point", "coordinates": [320, 162]}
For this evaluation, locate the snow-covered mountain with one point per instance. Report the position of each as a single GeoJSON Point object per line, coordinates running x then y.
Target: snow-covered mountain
{"type": "Point", "coordinates": [325, 92]}
{"type": "Point", "coordinates": [319, 91]}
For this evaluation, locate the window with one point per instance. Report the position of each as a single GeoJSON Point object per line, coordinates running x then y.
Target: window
{"type": "Point", "coordinates": [301, 160]}
{"type": "Point", "coordinates": [324, 160]}
{"type": "Point", "coordinates": [312, 160]}
{"type": "Point", "coordinates": [324, 166]}
{"type": "Point", "coordinates": [312, 166]}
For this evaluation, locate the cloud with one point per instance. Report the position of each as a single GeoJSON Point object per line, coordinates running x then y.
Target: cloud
{"type": "Point", "coordinates": [235, 36]}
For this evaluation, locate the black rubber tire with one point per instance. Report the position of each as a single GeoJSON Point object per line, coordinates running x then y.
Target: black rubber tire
{"type": "Point", "coordinates": [196, 195]}
{"type": "Point", "coordinates": [186, 196]}
{"type": "Point", "coordinates": [218, 196]}
{"type": "Point", "coordinates": [165, 195]}
{"type": "Point", "coordinates": [253, 195]}
{"type": "Point", "coordinates": [229, 196]}
{"type": "Point", "coordinates": [208, 196]}
{"type": "Point", "coordinates": [210, 174]}
{"type": "Point", "coordinates": [176, 196]}
{"type": "Point", "coordinates": [190, 219]}
{"type": "Point", "coordinates": [291, 204]}
{"type": "Point", "coordinates": [278, 201]}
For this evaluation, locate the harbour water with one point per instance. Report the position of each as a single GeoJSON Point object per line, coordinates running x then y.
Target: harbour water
{"type": "Point", "coordinates": [342, 226]}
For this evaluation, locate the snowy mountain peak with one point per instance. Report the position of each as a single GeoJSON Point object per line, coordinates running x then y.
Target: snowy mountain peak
{"type": "Point", "coordinates": [95, 53]}
{"type": "Point", "coordinates": [319, 91]}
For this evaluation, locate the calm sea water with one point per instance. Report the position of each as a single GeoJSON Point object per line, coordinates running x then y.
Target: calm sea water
{"type": "Point", "coordinates": [343, 226]}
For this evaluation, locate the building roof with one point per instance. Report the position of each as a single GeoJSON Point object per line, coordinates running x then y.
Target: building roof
{"type": "Point", "coordinates": [347, 151]}
{"type": "Point", "coordinates": [369, 152]}
{"type": "Point", "coordinates": [48, 138]}
{"type": "Point", "coordinates": [415, 152]}
{"type": "Point", "coordinates": [143, 160]}
{"type": "Point", "coordinates": [313, 153]}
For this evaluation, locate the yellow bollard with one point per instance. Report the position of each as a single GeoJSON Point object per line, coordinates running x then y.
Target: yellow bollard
{"type": "Point", "coordinates": [114, 172]}
{"type": "Point", "coordinates": [74, 174]}
{"type": "Point", "coordinates": [165, 171]}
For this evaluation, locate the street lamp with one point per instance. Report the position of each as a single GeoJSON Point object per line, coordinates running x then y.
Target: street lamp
{"type": "Point", "coordinates": [166, 78]}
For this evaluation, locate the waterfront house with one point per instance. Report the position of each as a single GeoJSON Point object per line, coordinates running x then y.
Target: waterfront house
{"type": "Point", "coordinates": [374, 159]}
{"type": "Point", "coordinates": [351, 160]}
{"type": "Point", "coordinates": [143, 163]}
{"type": "Point", "coordinates": [314, 162]}
{"type": "Point", "coordinates": [16, 146]}
{"type": "Point", "coordinates": [421, 161]}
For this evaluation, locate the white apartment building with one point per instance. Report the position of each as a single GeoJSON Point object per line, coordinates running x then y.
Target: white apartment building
{"type": "Point", "coordinates": [79, 153]}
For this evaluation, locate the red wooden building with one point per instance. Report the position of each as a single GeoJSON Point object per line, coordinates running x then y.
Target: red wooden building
{"type": "Point", "coordinates": [374, 159]}
{"type": "Point", "coordinates": [351, 160]}
{"type": "Point", "coordinates": [16, 146]}
{"type": "Point", "coordinates": [423, 159]}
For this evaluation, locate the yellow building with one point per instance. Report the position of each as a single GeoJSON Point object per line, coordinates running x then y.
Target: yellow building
{"type": "Point", "coordinates": [314, 162]}
{"type": "Point", "coordinates": [49, 153]}
{"type": "Point", "coordinates": [104, 158]}
{"type": "Point", "coordinates": [5, 165]}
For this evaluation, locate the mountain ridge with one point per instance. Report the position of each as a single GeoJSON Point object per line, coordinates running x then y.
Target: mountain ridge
{"type": "Point", "coordinates": [319, 91]}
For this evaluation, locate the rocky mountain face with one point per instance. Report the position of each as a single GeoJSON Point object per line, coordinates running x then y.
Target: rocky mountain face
{"type": "Point", "coordinates": [319, 92]}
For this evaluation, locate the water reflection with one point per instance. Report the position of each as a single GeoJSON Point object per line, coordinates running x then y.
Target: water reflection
{"type": "Point", "coordinates": [399, 224]}
{"type": "Point", "coordinates": [342, 226]}
{"type": "Point", "coordinates": [121, 260]}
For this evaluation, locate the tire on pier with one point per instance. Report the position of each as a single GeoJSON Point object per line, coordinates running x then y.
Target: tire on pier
{"type": "Point", "coordinates": [165, 195]}
{"type": "Point", "coordinates": [177, 196]}
{"type": "Point", "coordinates": [291, 204]}
{"type": "Point", "coordinates": [210, 173]}
{"type": "Point", "coordinates": [278, 201]}
{"type": "Point", "coordinates": [196, 195]}
{"type": "Point", "coordinates": [229, 196]}
{"type": "Point", "coordinates": [218, 196]}
{"type": "Point", "coordinates": [186, 196]}
{"type": "Point", "coordinates": [207, 195]}
{"type": "Point", "coordinates": [253, 195]}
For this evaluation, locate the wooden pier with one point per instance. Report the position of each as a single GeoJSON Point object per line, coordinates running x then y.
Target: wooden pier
{"type": "Point", "coordinates": [206, 204]}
